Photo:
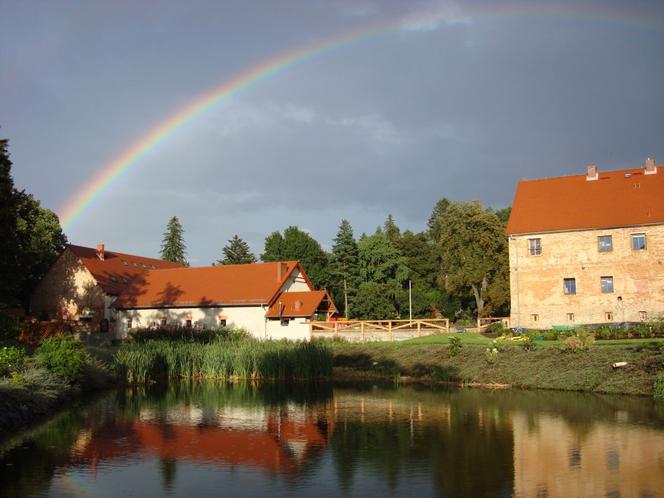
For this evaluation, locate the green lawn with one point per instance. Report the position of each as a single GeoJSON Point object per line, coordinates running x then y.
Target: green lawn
{"type": "Point", "coordinates": [479, 339]}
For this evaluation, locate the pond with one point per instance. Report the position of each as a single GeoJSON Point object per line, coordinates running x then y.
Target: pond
{"type": "Point", "coordinates": [214, 439]}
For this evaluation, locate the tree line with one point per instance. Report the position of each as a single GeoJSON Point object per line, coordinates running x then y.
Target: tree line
{"type": "Point", "coordinates": [456, 268]}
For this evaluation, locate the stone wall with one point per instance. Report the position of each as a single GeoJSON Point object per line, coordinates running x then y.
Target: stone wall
{"type": "Point", "coordinates": [538, 299]}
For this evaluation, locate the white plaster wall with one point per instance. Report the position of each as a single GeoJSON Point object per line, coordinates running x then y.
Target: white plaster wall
{"type": "Point", "coordinates": [295, 283]}
{"type": "Point", "coordinates": [250, 318]}
{"type": "Point", "coordinates": [296, 330]}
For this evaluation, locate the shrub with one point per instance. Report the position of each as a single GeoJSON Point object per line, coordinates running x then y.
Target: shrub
{"type": "Point", "coordinates": [9, 329]}
{"type": "Point", "coordinates": [573, 344]}
{"type": "Point", "coordinates": [659, 387]}
{"type": "Point", "coordinates": [12, 360]}
{"type": "Point", "coordinates": [439, 374]}
{"type": "Point", "coordinates": [455, 346]}
{"type": "Point", "coordinates": [63, 356]}
{"type": "Point", "coordinates": [550, 335]}
{"type": "Point", "coordinates": [587, 338]}
{"type": "Point", "coordinates": [604, 332]}
{"type": "Point", "coordinates": [496, 329]}
{"type": "Point", "coordinates": [528, 343]}
{"type": "Point", "coordinates": [491, 355]}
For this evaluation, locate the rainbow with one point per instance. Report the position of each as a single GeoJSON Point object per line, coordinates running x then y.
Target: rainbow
{"type": "Point", "coordinates": [263, 71]}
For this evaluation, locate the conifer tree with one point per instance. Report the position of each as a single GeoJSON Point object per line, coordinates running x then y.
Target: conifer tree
{"type": "Point", "coordinates": [236, 252]}
{"type": "Point", "coordinates": [344, 266]}
{"type": "Point", "coordinates": [391, 229]}
{"type": "Point", "coordinates": [172, 245]}
{"type": "Point", "coordinates": [8, 242]}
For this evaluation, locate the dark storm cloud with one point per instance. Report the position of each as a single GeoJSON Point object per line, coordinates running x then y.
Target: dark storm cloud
{"type": "Point", "coordinates": [459, 107]}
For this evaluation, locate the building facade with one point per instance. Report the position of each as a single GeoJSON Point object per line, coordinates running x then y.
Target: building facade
{"type": "Point", "coordinates": [588, 249]}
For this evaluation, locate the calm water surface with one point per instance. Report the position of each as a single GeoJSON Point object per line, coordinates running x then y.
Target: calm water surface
{"type": "Point", "coordinates": [211, 439]}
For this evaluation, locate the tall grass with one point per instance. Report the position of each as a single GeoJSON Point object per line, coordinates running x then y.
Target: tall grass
{"type": "Point", "coordinates": [224, 359]}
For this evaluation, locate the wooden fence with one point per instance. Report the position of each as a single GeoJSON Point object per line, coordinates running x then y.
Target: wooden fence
{"type": "Point", "coordinates": [378, 330]}
{"type": "Point", "coordinates": [484, 322]}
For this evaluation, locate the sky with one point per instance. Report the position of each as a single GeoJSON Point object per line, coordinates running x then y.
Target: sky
{"type": "Point", "coordinates": [424, 99]}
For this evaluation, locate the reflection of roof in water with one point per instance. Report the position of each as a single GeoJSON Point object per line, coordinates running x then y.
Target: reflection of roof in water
{"type": "Point", "coordinates": [283, 447]}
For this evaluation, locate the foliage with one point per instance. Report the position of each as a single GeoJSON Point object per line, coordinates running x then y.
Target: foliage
{"type": "Point", "coordinates": [528, 343]}
{"type": "Point", "coordinates": [344, 266]}
{"type": "Point", "coordinates": [12, 359]}
{"type": "Point", "coordinates": [491, 355]}
{"type": "Point", "coordinates": [237, 252]}
{"type": "Point", "coordinates": [391, 230]}
{"type": "Point", "coordinates": [8, 242]}
{"type": "Point", "coordinates": [659, 387]}
{"type": "Point", "coordinates": [40, 242]}
{"type": "Point", "coordinates": [573, 344]}
{"type": "Point", "coordinates": [373, 302]}
{"type": "Point", "coordinates": [173, 247]}
{"type": "Point", "coordinates": [296, 244]}
{"type": "Point", "coordinates": [34, 332]}
{"type": "Point", "coordinates": [9, 328]}
{"type": "Point", "coordinates": [495, 329]}
{"type": "Point", "coordinates": [180, 333]}
{"type": "Point", "coordinates": [473, 250]}
{"type": "Point", "coordinates": [224, 359]}
{"type": "Point", "coordinates": [455, 345]}
{"type": "Point", "coordinates": [434, 223]}
{"type": "Point", "coordinates": [63, 356]}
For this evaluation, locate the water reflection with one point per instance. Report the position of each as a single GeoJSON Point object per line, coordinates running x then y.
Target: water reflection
{"type": "Point", "coordinates": [205, 438]}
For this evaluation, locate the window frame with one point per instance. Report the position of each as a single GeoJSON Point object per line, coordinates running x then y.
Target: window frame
{"type": "Point", "coordinates": [599, 243]}
{"type": "Point", "coordinates": [565, 289]}
{"type": "Point", "coordinates": [570, 317]}
{"type": "Point", "coordinates": [608, 316]}
{"type": "Point", "coordinates": [636, 236]}
{"type": "Point", "coordinates": [534, 317]}
{"type": "Point", "coordinates": [606, 278]}
{"type": "Point", "coordinates": [130, 323]}
{"type": "Point", "coordinates": [537, 250]}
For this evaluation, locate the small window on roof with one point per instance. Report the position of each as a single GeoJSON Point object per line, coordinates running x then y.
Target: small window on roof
{"type": "Point", "coordinates": [124, 262]}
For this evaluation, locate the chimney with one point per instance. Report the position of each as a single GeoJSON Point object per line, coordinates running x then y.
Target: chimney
{"type": "Point", "coordinates": [100, 251]}
{"type": "Point", "coordinates": [593, 173]}
{"type": "Point", "coordinates": [650, 168]}
{"type": "Point", "coordinates": [281, 270]}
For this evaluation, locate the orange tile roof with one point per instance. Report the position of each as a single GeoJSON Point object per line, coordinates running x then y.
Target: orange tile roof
{"type": "Point", "coordinates": [117, 269]}
{"type": "Point", "coordinates": [228, 285]}
{"type": "Point", "coordinates": [620, 198]}
{"type": "Point", "coordinates": [300, 304]}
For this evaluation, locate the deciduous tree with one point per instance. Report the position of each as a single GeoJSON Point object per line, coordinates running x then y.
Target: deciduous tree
{"type": "Point", "coordinates": [473, 250]}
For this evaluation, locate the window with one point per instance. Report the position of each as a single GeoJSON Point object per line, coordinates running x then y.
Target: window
{"type": "Point", "coordinates": [187, 323]}
{"type": "Point", "coordinates": [534, 318]}
{"type": "Point", "coordinates": [643, 316]}
{"type": "Point", "coordinates": [163, 321]}
{"type": "Point", "coordinates": [639, 241]}
{"type": "Point", "coordinates": [605, 243]}
{"type": "Point", "coordinates": [129, 323]}
{"type": "Point", "coordinates": [222, 321]}
{"type": "Point", "coordinates": [570, 317]}
{"type": "Point", "coordinates": [608, 316]}
{"type": "Point", "coordinates": [535, 247]}
{"type": "Point", "coordinates": [569, 285]}
{"type": "Point", "coordinates": [607, 284]}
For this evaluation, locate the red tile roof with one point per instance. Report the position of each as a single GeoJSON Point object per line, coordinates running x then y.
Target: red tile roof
{"type": "Point", "coordinates": [117, 269]}
{"type": "Point", "coordinates": [620, 198]}
{"type": "Point", "coordinates": [228, 285]}
{"type": "Point", "coordinates": [300, 304]}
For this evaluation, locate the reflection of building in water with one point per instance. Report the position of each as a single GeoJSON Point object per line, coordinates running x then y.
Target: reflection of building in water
{"type": "Point", "coordinates": [553, 459]}
{"type": "Point", "coordinates": [271, 440]}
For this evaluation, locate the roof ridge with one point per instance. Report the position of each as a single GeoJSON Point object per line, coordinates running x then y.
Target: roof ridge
{"type": "Point", "coordinates": [600, 172]}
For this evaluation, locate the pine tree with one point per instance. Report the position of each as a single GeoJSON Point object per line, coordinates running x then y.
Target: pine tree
{"type": "Point", "coordinates": [172, 245]}
{"type": "Point", "coordinates": [391, 229]}
{"type": "Point", "coordinates": [8, 242]}
{"type": "Point", "coordinates": [344, 266]}
{"type": "Point", "coordinates": [237, 252]}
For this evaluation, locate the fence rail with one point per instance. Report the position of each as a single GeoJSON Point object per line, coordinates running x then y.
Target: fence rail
{"type": "Point", "coordinates": [363, 330]}
{"type": "Point", "coordinates": [484, 322]}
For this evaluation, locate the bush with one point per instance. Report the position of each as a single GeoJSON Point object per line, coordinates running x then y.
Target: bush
{"type": "Point", "coordinates": [455, 346]}
{"type": "Point", "coordinates": [9, 329]}
{"type": "Point", "coordinates": [494, 330]}
{"type": "Point", "coordinates": [587, 338]}
{"type": "Point", "coordinates": [185, 334]}
{"type": "Point", "coordinates": [11, 360]}
{"type": "Point", "coordinates": [659, 387]}
{"type": "Point", "coordinates": [491, 355]}
{"type": "Point", "coordinates": [63, 356]}
{"type": "Point", "coordinates": [528, 343]}
{"type": "Point", "coordinates": [573, 344]}
{"type": "Point", "coordinates": [550, 335]}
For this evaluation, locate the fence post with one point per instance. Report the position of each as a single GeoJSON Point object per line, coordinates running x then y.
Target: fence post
{"type": "Point", "coordinates": [362, 330]}
{"type": "Point", "coordinates": [389, 329]}
{"type": "Point", "coordinates": [419, 327]}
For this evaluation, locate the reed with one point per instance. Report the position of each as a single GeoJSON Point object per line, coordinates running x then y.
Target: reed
{"type": "Point", "coordinates": [224, 359]}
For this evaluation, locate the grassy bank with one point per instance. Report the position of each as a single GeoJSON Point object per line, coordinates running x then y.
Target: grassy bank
{"type": "Point", "coordinates": [542, 367]}
{"type": "Point", "coordinates": [34, 384]}
{"type": "Point", "coordinates": [224, 359]}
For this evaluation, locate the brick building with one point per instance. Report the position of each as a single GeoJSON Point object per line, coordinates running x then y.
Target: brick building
{"type": "Point", "coordinates": [588, 249]}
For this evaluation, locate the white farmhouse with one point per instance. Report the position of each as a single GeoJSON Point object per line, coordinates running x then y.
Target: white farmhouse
{"type": "Point", "coordinates": [268, 300]}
